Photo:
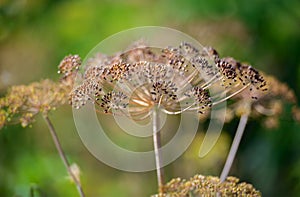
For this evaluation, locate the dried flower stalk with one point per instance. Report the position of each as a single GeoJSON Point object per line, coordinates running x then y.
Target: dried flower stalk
{"type": "Point", "coordinates": [174, 80]}
{"type": "Point", "coordinates": [143, 77]}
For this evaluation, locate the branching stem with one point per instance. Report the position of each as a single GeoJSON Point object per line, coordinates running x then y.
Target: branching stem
{"type": "Point", "coordinates": [63, 156]}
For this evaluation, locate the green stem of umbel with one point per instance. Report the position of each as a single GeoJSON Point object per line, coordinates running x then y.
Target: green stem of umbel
{"type": "Point", "coordinates": [157, 145]}
{"type": "Point", "coordinates": [63, 156]}
{"type": "Point", "coordinates": [234, 147]}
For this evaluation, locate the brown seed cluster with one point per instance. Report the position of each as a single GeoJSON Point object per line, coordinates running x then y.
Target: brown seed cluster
{"type": "Point", "coordinates": [23, 102]}
{"type": "Point", "coordinates": [69, 64]}
{"type": "Point", "coordinates": [177, 79]}
{"type": "Point", "coordinates": [69, 67]}
{"type": "Point", "coordinates": [238, 73]}
{"type": "Point", "coordinates": [269, 105]}
{"type": "Point", "coordinates": [253, 92]}
{"type": "Point", "coordinates": [269, 102]}
{"type": "Point", "coordinates": [208, 186]}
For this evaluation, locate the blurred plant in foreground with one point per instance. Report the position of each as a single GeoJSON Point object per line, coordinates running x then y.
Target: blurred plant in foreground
{"type": "Point", "coordinates": [200, 185]}
{"type": "Point", "coordinates": [22, 103]}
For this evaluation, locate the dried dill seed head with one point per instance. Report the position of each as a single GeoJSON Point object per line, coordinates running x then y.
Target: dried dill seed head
{"type": "Point", "coordinates": [69, 67]}
{"type": "Point", "coordinates": [175, 78]}
{"type": "Point", "coordinates": [269, 104]}
{"type": "Point", "coordinates": [258, 94]}
{"type": "Point", "coordinates": [69, 64]}
{"type": "Point", "coordinates": [23, 102]}
{"type": "Point", "coordinates": [209, 186]}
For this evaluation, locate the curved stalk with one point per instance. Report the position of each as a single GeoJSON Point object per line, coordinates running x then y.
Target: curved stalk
{"type": "Point", "coordinates": [63, 156]}
{"type": "Point", "coordinates": [234, 146]}
{"type": "Point", "coordinates": [157, 145]}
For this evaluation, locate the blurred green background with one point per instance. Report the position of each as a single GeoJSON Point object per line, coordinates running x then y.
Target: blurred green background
{"type": "Point", "coordinates": [36, 34]}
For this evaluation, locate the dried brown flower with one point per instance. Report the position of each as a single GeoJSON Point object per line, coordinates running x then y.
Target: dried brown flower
{"type": "Point", "coordinates": [175, 78]}
{"type": "Point", "coordinates": [68, 67]}
{"type": "Point", "coordinates": [270, 104]}
{"type": "Point", "coordinates": [266, 96]}
{"type": "Point", "coordinates": [208, 186]}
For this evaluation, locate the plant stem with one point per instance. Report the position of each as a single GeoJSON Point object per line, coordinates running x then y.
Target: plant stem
{"type": "Point", "coordinates": [63, 156]}
{"type": "Point", "coordinates": [157, 145]}
{"type": "Point", "coordinates": [32, 191]}
{"type": "Point", "coordinates": [234, 147]}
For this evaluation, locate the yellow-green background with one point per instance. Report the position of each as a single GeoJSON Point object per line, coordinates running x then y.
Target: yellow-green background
{"type": "Point", "coordinates": [36, 34]}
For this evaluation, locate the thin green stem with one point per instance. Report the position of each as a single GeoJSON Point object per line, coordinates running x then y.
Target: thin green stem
{"type": "Point", "coordinates": [63, 156]}
{"type": "Point", "coordinates": [234, 147]}
{"type": "Point", "coordinates": [32, 191]}
{"type": "Point", "coordinates": [157, 145]}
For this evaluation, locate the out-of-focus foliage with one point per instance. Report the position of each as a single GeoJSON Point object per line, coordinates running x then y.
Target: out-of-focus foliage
{"type": "Point", "coordinates": [212, 162]}
{"type": "Point", "coordinates": [36, 34]}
